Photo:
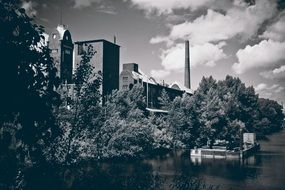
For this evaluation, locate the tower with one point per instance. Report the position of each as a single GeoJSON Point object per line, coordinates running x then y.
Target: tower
{"type": "Point", "coordinates": [61, 46]}
{"type": "Point", "coordinates": [187, 80]}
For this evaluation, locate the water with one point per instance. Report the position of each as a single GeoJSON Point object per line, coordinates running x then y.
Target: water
{"type": "Point", "coordinates": [265, 170]}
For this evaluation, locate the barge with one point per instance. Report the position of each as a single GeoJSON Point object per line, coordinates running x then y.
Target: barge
{"type": "Point", "coordinates": [249, 147]}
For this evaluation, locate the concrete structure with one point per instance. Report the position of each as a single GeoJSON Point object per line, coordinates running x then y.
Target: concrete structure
{"type": "Point", "coordinates": [249, 138]}
{"type": "Point", "coordinates": [61, 45]}
{"type": "Point", "coordinates": [250, 146]}
{"type": "Point", "coordinates": [131, 75]}
{"type": "Point", "coordinates": [187, 79]}
{"type": "Point", "coordinates": [106, 62]}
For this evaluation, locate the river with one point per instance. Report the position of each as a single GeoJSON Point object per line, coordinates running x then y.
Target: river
{"type": "Point", "coordinates": [262, 171]}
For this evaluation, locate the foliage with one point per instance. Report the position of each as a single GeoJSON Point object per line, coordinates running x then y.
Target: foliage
{"type": "Point", "coordinates": [271, 118]}
{"type": "Point", "coordinates": [125, 132]}
{"type": "Point", "coordinates": [80, 117]}
{"type": "Point", "coordinates": [221, 111]}
{"type": "Point", "coordinates": [30, 80]}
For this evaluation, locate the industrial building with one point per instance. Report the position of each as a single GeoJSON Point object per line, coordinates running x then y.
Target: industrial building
{"type": "Point", "coordinates": [67, 55]}
{"type": "Point", "coordinates": [106, 62]}
{"type": "Point", "coordinates": [131, 75]}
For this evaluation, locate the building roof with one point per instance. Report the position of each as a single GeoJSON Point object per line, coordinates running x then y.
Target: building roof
{"type": "Point", "coordinates": [181, 87]}
{"type": "Point", "coordinates": [143, 77]}
{"type": "Point", "coordinates": [94, 41]}
{"type": "Point", "coordinates": [156, 110]}
{"type": "Point", "coordinates": [150, 80]}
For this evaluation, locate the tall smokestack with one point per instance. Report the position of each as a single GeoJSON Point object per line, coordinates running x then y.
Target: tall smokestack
{"type": "Point", "coordinates": [187, 82]}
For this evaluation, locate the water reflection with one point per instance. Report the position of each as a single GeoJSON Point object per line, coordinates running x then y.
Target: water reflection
{"type": "Point", "coordinates": [176, 170]}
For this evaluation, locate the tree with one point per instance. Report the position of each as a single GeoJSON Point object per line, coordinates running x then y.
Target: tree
{"type": "Point", "coordinates": [126, 131]}
{"type": "Point", "coordinates": [164, 100]}
{"type": "Point", "coordinates": [28, 94]}
{"type": "Point", "coordinates": [82, 118]}
{"type": "Point", "coordinates": [271, 116]}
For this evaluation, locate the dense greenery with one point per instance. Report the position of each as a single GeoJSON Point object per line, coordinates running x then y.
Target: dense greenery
{"type": "Point", "coordinates": [28, 75]}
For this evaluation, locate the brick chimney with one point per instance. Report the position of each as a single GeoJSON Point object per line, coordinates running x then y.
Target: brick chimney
{"type": "Point", "coordinates": [187, 81]}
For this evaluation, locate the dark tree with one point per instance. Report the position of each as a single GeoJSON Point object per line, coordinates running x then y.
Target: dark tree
{"type": "Point", "coordinates": [28, 81]}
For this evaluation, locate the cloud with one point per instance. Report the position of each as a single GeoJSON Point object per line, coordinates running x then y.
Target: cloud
{"type": "Point", "coordinates": [160, 39]}
{"type": "Point", "coordinates": [84, 3]}
{"type": "Point", "coordinates": [267, 91]}
{"type": "Point", "coordinates": [29, 7]}
{"type": "Point", "coordinates": [101, 6]}
{"type": "Point", "coordinates": [276, 31]}
{"type": "Point", "coordinates": [173, 59]}
{"type": "Point", "coordinates": [279, 89]}
{"type": "Point", "coordinates": [263, 55]}
{"type": "Point", "coordinates": [159, 74]}
{"type": "Point", "coordinates": [167, 6]}
{"type": "Point", "coordinates": [279, 70]}
{"type": "Point", "coordinates": [107, 9]}
{"type": "Point", "coordinates": [262, 86]}
{"type": "Point", "coordinates": [277, 73]}
{"type": "Point", "coordinates": [240, 20]}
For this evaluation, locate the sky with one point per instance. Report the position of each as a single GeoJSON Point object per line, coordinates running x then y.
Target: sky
{"type": "Point", "coordinates": [242, 38]}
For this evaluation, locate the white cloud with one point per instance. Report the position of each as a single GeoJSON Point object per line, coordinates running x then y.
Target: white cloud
{"type": "Point", "coordinates": [265, 54]}
{"type": "Point", "coordinates": [107, 9]}
{"type": "Point", "coordinates": [279, 89]}
{"type": "Point", "coordinates": [240, 20]}
{"type": "Point", "coordinates": [159, 39]}
{"type": "Point", "coordinates": [269, 91]}
{"type": "Point", "coordinates": [29, 7]}
{"type": "Point", "coordinates": [159, 74]}
{"type": "Point", "coordinates": [277, 73]}
{"type": "Point", "coordinates": [260, 87]}
{"type": "Point", "coordinates": [279, 70]}
{"type": "Point", "coordinates": [167, 6]}
{"type": "Point", "coordinates": [84, 3]}
{"type": "Point", "coordinates": [101, 6]}
{"type": "Point", "coordinates": [173, 59]}
{"type": "Point", "coordinates": [276, 31]}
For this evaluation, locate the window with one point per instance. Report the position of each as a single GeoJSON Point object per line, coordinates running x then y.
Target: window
{"type": "Point", "coordinates": [125, 86]}
{"type": "Point", "coordinates": [135, 81]}
{"type": "Point", "coordinates": [67, 51]}
{"type": "Point", "coordinates": [125, 79]}
{"type": "Point", "coordinates": [80, 49]}
{"type": "Point", "coordinates": [54, 50]}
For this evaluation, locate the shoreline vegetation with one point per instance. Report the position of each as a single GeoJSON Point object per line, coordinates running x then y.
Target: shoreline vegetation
{"type": "Point", "coordinates": [41, 130]}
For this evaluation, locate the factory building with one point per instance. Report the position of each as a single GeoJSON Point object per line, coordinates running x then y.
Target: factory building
{"type": "Point", "coordinates": [106, 62]}
{"type": "Point", "coordinates": [132, 75]}
{"type": "Point", "coordinates": [67, 55]}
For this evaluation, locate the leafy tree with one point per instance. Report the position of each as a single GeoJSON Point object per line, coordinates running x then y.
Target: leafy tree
{"type": "Point", "coordinates": [271, 116]}
{"type": "Point", "coordinates": [126, 131]}
{"type": "Point", "coordinates": [29, 81]}
{"type": "Point", "coordinates": [164, 100]}
{"type": "Point", "coordinates": [81, 116]}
